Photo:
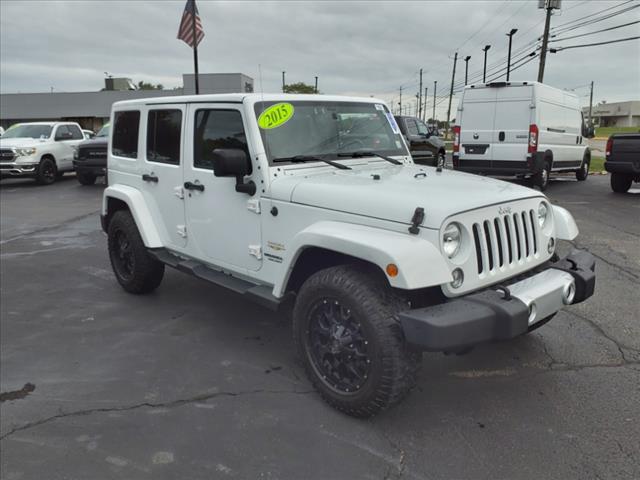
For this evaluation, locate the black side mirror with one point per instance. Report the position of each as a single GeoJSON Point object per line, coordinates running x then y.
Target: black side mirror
{"type": "Point", "coordinates": [592, 132]}
{"type": "Point", "coordinates": [233, 162]}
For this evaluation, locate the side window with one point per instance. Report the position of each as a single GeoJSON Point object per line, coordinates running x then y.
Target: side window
{"type": "Point", "coordinates": [76, 133]}
{"type": "Point", "coordinates": [125, 134]}
{"type": "Point", "coordinates": [217, 129]}
{"type": "Point", "coordinates": [412, 128]}
{"type": "Point", "coordinates": [62, 133]}
{"type": "Point", "coordinates": [163, 136]}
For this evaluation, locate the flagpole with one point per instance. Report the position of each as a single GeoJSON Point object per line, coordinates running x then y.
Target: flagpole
{"type": "Point", "coordinates": [195, 47]}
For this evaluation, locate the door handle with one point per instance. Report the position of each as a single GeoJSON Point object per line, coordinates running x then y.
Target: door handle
{"type": "Point", "coordinates": [150, 178]}
{"type": "Point", "coordinates": [194, 186]}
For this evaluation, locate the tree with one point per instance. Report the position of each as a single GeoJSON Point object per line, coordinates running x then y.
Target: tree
{"type": "Point", "coordinates": [299, 87]}
{"type": "Point", "coordinates": [149, 86]}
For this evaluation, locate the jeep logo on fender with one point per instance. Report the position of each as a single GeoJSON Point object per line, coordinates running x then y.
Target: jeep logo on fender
{"type": "Point", "coordinates": [504, 210]}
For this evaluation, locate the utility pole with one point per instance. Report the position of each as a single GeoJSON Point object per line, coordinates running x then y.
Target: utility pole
{"type": "Point", "coordinates": [484, 70]}
{"type": "Point", "coordinates": [400, 101]}
{"type": "Point", "coordinates": [316, 85]}
{"type": "Point", "coordinates": [453, 77]}
{"type": "Point", "coordinates": [418, 104]}
{"type": "Point", "coordinates": [591, 104]}
{"type": "Point", "coordinates": [466, 69]}
{"type": "Point", "coordinates": [435, 86]}
{"type": "Point", "coordinates": [545, 40]}
{"type": "Point", "coordinates": [424, 110]}
{"type": "Point", "coordinates": [420, 96]}
{"type": "Point", "coordinates": [510, 35]}
{"type": "Point", "coordinates": [283, 84]}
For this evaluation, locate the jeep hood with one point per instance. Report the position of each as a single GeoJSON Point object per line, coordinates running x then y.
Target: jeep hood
{"type": "Point", "coordinates": [398, 192]}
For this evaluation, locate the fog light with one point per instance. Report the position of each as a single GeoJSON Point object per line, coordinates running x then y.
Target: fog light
{"type": "Point", "coordinates": [458, 278]}
{"type": "Point", "coordinates": [551, 245]}
{"type": "Point", "coordinates": [569, 294]}
{"type": "Point", "coordinates": [532, 313]}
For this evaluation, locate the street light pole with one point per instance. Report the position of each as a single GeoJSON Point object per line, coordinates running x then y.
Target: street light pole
{"type": "Point", "coordinates": [510, 35]}
{"type": "Point", "coordinates": [283, 84]}
{"type": "Point", "coordinates": [466, 68]}
{"type": "Point", "coordinates": [484, 71]}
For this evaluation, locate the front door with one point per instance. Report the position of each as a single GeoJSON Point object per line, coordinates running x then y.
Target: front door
{"type": "Point", "coordinates": [223, 225]}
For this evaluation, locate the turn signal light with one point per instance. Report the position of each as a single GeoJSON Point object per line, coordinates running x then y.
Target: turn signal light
{"type": "Point", "coordinates": [392, 270]}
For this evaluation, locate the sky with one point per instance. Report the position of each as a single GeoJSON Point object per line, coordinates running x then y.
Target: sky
{"type": "Point", "coordinates": [355, 48]}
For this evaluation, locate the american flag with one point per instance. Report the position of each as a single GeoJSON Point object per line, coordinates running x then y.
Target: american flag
{"type": "Point", "coordinates": [186, 32]}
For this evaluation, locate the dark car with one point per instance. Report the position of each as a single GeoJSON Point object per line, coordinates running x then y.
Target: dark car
{"type": "Point", "coordinates": [427, 148]}
{"type": "Point", "coordinates": [623, 160]}
{"type": "Point", "coordinates": [90, 158]}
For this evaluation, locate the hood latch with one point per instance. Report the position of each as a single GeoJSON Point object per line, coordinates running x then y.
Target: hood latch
{"type": "Point", "coordinates": [418, 218]}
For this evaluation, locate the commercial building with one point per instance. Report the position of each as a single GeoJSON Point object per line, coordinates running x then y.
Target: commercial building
{"type": "Point", "coordinates": [92, 109]}
{"type": "Point", "coordinates": [619, 114]}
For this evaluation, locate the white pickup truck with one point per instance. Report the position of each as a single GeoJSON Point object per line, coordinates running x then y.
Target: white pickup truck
{"type": "Point", "coordinates": [276, 198]}
{"type": "Point", "coordinates": [40, 150]}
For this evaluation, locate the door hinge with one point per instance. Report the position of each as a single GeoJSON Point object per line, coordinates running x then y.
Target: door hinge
{"type": "Point", "coordinates": [253, 205]}
{"type": "Point", "coordinates": [255, 251]}
{"type": "Point", "coordinates": [182, 231]}
{"type": "Point", "coordinates": [179, 191]}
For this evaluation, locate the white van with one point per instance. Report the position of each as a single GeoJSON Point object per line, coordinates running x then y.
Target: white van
{"type": "Point", "coordinates": [524, 129]}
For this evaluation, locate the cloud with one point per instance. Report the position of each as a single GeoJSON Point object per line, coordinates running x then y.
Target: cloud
{"type": "Point", "coordinates": [364, 48]}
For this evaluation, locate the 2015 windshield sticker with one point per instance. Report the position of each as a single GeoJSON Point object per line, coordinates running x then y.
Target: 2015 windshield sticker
{"type": "Point", "coordinates": [275, 116]}
{"type": "Point", "coordinates": [392, 122]}
{"type": "Point", "coordinates": [379, 107]}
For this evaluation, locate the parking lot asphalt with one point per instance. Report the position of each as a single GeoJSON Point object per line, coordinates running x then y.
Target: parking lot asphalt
{"type": "Point", "coordinates": [193, 382]}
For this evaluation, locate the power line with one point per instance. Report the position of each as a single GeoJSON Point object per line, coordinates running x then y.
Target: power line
{"type": "Point", "coordinates": [593, 33]}
{"type": "Point", "coordinates": [594, 20]}
{"type": "Point", "coordinates": [554, 50]}
{"type": "Point", "coordinates": [592, 14]}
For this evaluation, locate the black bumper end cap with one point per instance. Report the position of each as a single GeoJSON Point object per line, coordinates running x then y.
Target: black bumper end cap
{"type": "Point", "coordinates": [581, 265]}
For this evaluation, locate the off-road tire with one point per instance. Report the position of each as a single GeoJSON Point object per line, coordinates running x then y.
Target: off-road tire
{"type": "Point", "coordinates": [86, 178]}
{"type": "Point", "coordinates": [145, 272]}
{"type": "Point", "coordinates": [47, 172]}
{"type": "Point", "coordinates": [393, 365]}
{"type": "Point", "coordinates": [583, 173]}
{"type": "Point", "coordinates": [541, 178]}
{"type": "Point", "coordinates": [620, 183]}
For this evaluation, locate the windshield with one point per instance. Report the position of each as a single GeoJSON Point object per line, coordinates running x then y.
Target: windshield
{"type": "Point", "coordinates": [104, 131]}
{"type": "Point", "coordinates": [327, 129]}
{"type": "Point", "coordinates": [28, 131]}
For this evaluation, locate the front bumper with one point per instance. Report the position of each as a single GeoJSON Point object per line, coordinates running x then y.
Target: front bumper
{"type": "Point", "coordinates": [18, 169]}
{"type": "Point", "coordinates": [504, 313]}
{"type": "Point", "coordinates": [94, 167]}
{"type": "Point", "coordinates": [529, 166]}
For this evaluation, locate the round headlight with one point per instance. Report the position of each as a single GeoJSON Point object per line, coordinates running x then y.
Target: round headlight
{"type": "Point", "coordinates": [543, 213]}
{"type": "Point", "coordinates": [451, 240]}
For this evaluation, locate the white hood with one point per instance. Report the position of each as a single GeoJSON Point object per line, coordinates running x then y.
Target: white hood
{"type": "Point", "coordinates": [19, 142]}
{"type": "Point", "coordinates": [398, 192]}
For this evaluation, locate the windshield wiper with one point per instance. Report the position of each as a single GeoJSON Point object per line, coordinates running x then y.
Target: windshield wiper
{"type": "Point", "coordinates": [310, 158]}
{"type": "Point", "coordinates": [369, 153]}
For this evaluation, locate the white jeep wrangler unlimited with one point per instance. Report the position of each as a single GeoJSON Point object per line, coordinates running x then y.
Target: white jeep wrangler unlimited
{"type": "Point", "coordinates": [315, 201]}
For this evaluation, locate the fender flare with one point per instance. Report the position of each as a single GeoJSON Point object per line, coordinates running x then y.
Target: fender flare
{"type": "Point", "coordinates": [420, 263]}
{"type": "Point", "coordinates": [565, 225]}
{"type": "Point", "coordinates": [138, 208]}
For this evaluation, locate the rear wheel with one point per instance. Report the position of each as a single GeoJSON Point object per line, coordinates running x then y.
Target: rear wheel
{"type": "Point", "coordinates": [441, 159]}
{"type": "Point", "coordinates": [583, 173]}
{"type": "Point", "coordinates": [347, 333]}
{"type": "Point", "coordinates": [541, 179]}
{"type": "Point", "coordinates": [135, 269]}
{"type": "Point", "coordinates": [620, 183]}
{"type": "Point", "coordinates": [47, 171]}
{"type": "Point", "coordinates": [86, 178]}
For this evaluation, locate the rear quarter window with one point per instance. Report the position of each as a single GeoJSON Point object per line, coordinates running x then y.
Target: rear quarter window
{"type": "Point", "coordinates": [126, 126]}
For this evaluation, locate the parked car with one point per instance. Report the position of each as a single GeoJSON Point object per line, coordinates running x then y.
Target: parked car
{"type": "Point", "coordinates": [41, 150]}
{"type": "Point", "coordinates": [1, 131]}
{"type": "Point", "coordinates": [88, 134]}
{"type": "Point", "coordinates": [426, 147]}
{"type": "Point", "coordinates": [623, 160]}
{"type": "Point", "coordinates": [524, 129]}
{"type": "Point", "coordinates": [268, 196]}
{"type": "Point", "coordinates": [90, 158]}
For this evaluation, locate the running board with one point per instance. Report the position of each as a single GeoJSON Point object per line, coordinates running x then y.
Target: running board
{"type": "Point", "coordinates": [260, 294]}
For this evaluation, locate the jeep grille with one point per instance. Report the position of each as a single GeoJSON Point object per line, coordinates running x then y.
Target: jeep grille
{"type": "Point", "coordinates": [506, 241]}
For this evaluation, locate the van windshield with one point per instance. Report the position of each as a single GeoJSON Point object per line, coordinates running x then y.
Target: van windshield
{"type": "Point", "coordinates": [327, 129]}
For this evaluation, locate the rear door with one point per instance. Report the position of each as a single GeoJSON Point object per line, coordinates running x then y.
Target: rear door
{"type": "Point", "coordinates": [512, 118]}
{"type": "Point", "coordinates": [476, 126]}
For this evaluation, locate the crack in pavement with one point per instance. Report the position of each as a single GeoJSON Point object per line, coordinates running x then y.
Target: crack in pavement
{"type": "Point", "coordinates": [635, 278]}
{"type": "Point", "coordinates": [400, 464]}
{"type": "Point", "coordinates": [49, 228]}
{"type": "Point", "coordinates": [169, 404]}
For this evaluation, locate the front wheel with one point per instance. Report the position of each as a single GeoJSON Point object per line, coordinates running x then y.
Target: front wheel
{"type": "Point", "coordinates": [541, 179]}
{"type": "Point", "coordinates": [347, 333]}
{"type": "Point", "coordinates": [620, 183]}
{"type": "Point", "coordinates": [47, 172]}
{"type": "Point", "coordinates": [86, 178]}
{"type": "Point", "coordinates": [134, 268]}
{"type": "Point", "coordinates": [583, 173]}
